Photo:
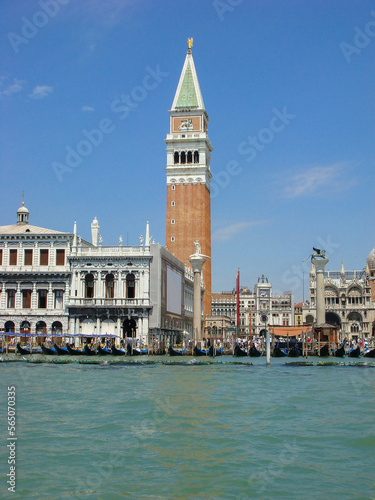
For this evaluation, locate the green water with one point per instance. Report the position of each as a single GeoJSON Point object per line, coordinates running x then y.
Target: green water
{"type": "Point", "coordinates": [191, 431]}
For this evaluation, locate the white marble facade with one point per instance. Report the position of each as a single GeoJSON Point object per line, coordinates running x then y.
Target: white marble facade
{"type": "Point", "coordinates": [56, 282]}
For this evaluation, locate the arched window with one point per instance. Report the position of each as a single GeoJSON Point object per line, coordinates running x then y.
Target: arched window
{"type": "Point", "coordinates": [109, 286]}
{"type": "Point", "coordinates": [41, 327]}
{"type": "Point", "coordinates": [355, 316]}
{"type": "Point", "coordinates": [56, 327]}
{"type": "Point", "coordinates": [89, 286]}
{"type": "Point", "coordinates": [130, 286]}
{"type": "Point", "coordinates": [309, 319]}
{"type": "Point", "coordinates": [196, 157]}
{"type": "Point", "coordinates": [183, 157]}
{"type": "Point", "coordinates": [9, 327]}
{"type": "Point", "coordinates": [190, 157]}
{"type": "Point", "coordinates": [176, 157]}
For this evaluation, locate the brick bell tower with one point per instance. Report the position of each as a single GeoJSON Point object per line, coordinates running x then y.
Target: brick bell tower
{"type": "Point", "coordinates": [188, 174]}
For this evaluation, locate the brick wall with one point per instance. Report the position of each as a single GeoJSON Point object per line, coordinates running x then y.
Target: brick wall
{"type": "Point", "coordinates": [192, 221]}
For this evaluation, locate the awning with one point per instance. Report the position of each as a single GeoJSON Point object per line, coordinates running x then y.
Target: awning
{"type": "Point", "coordinates": [290, 331]}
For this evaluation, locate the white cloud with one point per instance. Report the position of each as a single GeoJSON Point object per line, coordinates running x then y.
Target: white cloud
{"type": "Point", "coordinates": [87, 108]}
{"type": "Point", "coordinates": [41, 91]}
{"type": "Point", "coordinates": [13, 88]}
{"type": "Point", "coordinates": [312, 180]}
{"type": "Point", "coordinates": [228, 232]}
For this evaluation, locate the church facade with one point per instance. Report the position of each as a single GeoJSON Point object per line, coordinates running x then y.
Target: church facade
{"type": "Point", "coordinates": [349, 303]}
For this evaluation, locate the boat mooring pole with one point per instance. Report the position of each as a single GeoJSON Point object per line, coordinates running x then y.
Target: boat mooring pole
{"type": "Point", "coordinates": [268, 348]}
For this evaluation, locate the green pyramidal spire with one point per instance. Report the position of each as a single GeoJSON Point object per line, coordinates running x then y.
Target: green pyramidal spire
{"type": "Point", "coordinates": [188, 94]}
{"type": "Point", "coordinates": [187, 97]}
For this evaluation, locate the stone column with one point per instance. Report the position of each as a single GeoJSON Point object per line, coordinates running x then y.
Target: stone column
{"type": "Point", "coordinates": [52, 255]}
{"type": "Point", "coordinates": [18, 297]}
{"type": "Point", "coordinates": [50, 299]}
{"type": "Point", "coordinates": [197, 262]}
{"type": "Point", "coordinates": [77, 326]}
{"type": "Point", "coordinates": [320, 296]}
{"type": "Point", "coordinates": [35, 254]}
{"type": "Point", "coordinates": [20, 255]}
{"type": "Point", "coordinates": [34, 297]}
{"type": "Point", "coordinates": [72, 326]}
{"type": "Point", "coordinates": [118, 328]}
{"type": "Point", "coordinates": [3, 302]}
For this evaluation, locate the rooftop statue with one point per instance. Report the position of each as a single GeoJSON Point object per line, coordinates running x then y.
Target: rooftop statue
{"type": "Point", "coordinates": [318, 254]}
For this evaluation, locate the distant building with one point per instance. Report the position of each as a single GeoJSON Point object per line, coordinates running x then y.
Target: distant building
{"type": "Point", "coordinates": [217, 326]}
{"type": "Point", "coordinates": [279, 309]}
{"type": "Point", "coordinates": [298, 314]}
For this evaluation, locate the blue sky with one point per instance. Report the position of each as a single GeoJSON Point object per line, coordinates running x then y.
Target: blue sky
{"type": "Point", "coordinates": [281, 185]}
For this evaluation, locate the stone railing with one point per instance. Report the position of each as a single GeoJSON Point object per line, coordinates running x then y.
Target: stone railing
{"type": "Point", "coordinates": [100, 302]}
{"type": "Point", "coordinates": [116, 251]}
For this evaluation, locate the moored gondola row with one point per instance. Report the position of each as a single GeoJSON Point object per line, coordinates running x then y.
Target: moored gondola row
{"type": "Point", "coordinates": [109, 348]}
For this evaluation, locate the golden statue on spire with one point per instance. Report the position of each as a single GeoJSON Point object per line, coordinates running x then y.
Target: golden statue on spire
{"type": "Point", "coordinates": [190, 43]}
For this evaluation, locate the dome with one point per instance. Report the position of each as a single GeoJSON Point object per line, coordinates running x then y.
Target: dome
{"type": "Point", "coordinates": [371, 260]}
{"type": "Point", "coordinates": [22, 210]}
{"type": "Point", "coordinates": [22, 215]}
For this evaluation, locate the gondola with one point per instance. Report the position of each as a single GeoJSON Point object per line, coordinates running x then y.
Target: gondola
{"type": "Point", "coordinates": [370, 354]}
{"type": "Point", "coordinates": [117, 352]}
{"type": "Point", "coordinates": [88, 351]}
{"type": "Point", "coordinates": [340, 352]}
{"type": "Point", "coordinates": [355, 353]}
{"type": "Point", "coordinates": [218, 352]}
{"type": "Point", "coordinates": [24, 351]}
{"type": "Point", "coordinates": [103, 351]}
{"type": "Point", "coordinates": [238, 352]}
{"type": "Point", "coordinates": [254, 352]}
{"type": "Point", "coordinates": [278, 353]}
{"type": "Point", "coordinates": [74, 352]}
{"type": "Point", "coordinates": [140, 352]}
{"type": "Point", "coordinates": [48, 351]}
{"type": "Point", "coordinates": [294, 353]}
{"type": "Point", "coordinates": [199, 352]}
{"type": "Point", "coordinates": [61, 351]}
{"type": "Point", "coordinates": [175, 352]}
{"type": "Point", "coordinates": [324, 351]}
{"type": "Point", "coordinates": [136, 351]}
